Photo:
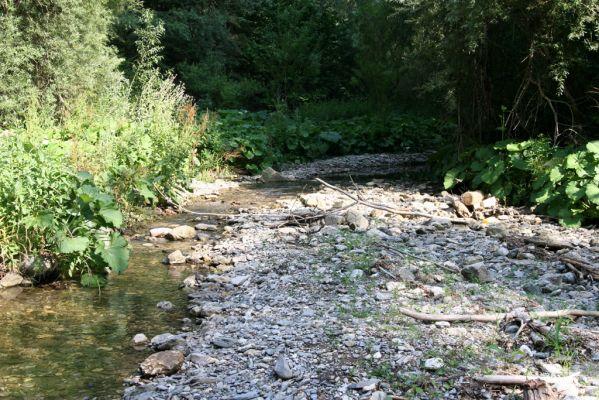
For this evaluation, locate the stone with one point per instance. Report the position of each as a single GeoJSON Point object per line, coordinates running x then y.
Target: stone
{"type": "Point", "coordinates": [160, 232]}
{"type": "Point", "coordinates": [224, 342]}
{"type": "Point", "coordinates": [497, 230]}
{"type": "Point", "coordinates": [239, 280]}
{"type": "Point", "coordinates": [181, 232]}
{"type": "Point", "coordinates": [206, 310]}
{"type": "Point", "coordinates": [442, 324]}
{"type": "Point", "coordinates": [333, 219]}
{"type": "Point", "coordinates": [282, 368]}
{"type": "Point", "coordinates": [165, 341]}
{"type": "Point", "coordinates": [11, 279]}
{"type": "Point", "coordinates": [405, 274]}
{"type": "Point", "coordinates": [176, 258]}
{"type": "Point", "coordinates": [357, 221]}
{"type": "Point", "coordinates": [477, 273]}
{"type": "Point", "coordinates": [162, 363]}
{"type": "Point", "coordinates": [165, 306]}
{"type": "Point", "coordinates": [271, 175]}
{"type": "Point", "coordinates": [433, 364]}
{"type": "Point", "coordinates": [365, 385]}
{"type": "Point", "coordinates": [190, 281]}
{"type": "Point", "coordinates": [316, 200]}
{"type": "Point", "coordinates": [246, 396]}
{"type": "Point", "coordinates": [139, 340]}
{"type": "Point", "coordinates": [206, 227]}
{"type": "Point", "coordinates": [392, 286]}
{"type": "Point", "coordinates": [356, 274]}
{"type": "Point", "coordinates": [569, 277]}
{"type": "Point", "coordinates": [378, 396]}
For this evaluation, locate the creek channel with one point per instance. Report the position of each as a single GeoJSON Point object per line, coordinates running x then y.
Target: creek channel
{"type": "Point", "coordinates": [74, 343]}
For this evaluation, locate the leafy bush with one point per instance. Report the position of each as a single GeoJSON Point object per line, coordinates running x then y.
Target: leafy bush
{"type": "Point", "coordinates": [564, 183]}
{"type": "Point", "coordinates": [53, 216]}
{"type": "Point", "coordinates": [257, 140]}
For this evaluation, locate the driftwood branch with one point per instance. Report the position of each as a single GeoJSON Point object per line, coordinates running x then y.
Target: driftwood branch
{"type": "Point", "coordinates": [535, 387]}
{"type": "Point", "coordinates": [383, 207]}
{"type": "Point", "coordinates": [407, 254]}
{"type": "Point", "coordinates": [585, 266]}
{"type": "Point", "coordinates": [495, 316]}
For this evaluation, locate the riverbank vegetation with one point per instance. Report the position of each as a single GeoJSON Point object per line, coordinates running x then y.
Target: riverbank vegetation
{"type": "Point", "coordinates": [109, 105]}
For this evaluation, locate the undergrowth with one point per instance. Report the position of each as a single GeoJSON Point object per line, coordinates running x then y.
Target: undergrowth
{"type": "Point", "coordinates": [561, 182]}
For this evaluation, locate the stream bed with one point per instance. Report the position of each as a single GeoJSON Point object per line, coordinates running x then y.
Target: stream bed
{"type": "Point", "coordinates": [75, 343]}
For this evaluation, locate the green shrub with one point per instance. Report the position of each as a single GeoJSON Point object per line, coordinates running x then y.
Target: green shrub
{"type": "Point", "coordinates": [50, 214]}
{"type": "Point", "coordinates": [257, 140]}
{"type": "Point", "coordinates": [564, 183]}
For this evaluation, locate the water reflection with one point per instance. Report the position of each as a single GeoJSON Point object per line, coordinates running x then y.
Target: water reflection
{"type": "Point", "coordinates": [74, 343]}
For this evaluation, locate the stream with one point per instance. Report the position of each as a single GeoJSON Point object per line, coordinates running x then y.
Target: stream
{"type": "Point", "coordinates": [75, 343]}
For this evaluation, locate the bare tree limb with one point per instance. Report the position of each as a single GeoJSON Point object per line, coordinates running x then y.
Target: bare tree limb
{"type": "Point", "coordinates": [494, 317]}
{"type": "Point", "coordinates": [384, 207]}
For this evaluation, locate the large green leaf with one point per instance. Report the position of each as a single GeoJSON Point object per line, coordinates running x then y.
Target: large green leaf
{"type": "Point", "coordinates": [77, 244]}
{"type": "Point", "coordinates": [115, 252]}
{"type": "Point", "coordinates": [592, 192]}
{"type": "Point", "coordinates": [555, 175]}
{"type": "Point", "coordinates": [112, 216]}
{"type": "Point", "coordinates": [573, 191]}
{"type": "Point", "coordinates": [593, 147]}
{"type": "Point", "coordinates": [451, 178]}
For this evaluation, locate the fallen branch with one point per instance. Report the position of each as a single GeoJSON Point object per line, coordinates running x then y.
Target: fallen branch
{"type": "Point", "coordinates": [587, 267]}
{"type": "Point", "coordinates": [495, 316]}
{"type": "Point", "coordinates": [535, 387]}
{"type": "Point", "coordinates": [407, 254]}
{"type": "Point", "coordinates": [383, 207]}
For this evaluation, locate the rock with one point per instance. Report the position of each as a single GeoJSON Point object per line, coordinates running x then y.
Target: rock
{"type": "Point", "coordinates": [160, 232]}
{"type": "Point", "coordinates": [569, 277]}
{"type": "Point", "coordinates": [165, 306]}
{"type": "Point", "coordinates": [224, 342]}
{"type": "Point", "coordinates": [477, 273]}
{"type": "Point", "coordinates": [472, 198]}
{"type": "Point", "coordinates": [392, 286]}
{"type": "Point", "coordinates": [176, 258]}
{"type": "Point", "coordinates": [11, 279]}
{"type": "Point", "coordinates": [288, 231]}
{"type": "Point", "coordinates": [442, 324]}
{"type": "Point", "coordinates": [206, 227]}
{"type": "Point", "coordinates": [181, 232]}
{"type": "Point", "coordinates": [433, 364]}
{"type": "Point", "coordinates": [139, 340]}
{"type": "Point", "coordinates": [378, 396]}
{"type": "Point", "coordinates": [316, 200]}
{"type": "Point", "coordinates": [502, 252]}
{"type": "Point", "coordinates": [356, 274]}
{"type": "Point", "coordinates": [497, 230]}
{"type": "Point", "coordinates": [190, 281]}
{"type": "Point", "coordinates": [551, 369]}
{"type": "Point", "coordinates": [239, 280]}
{"type": "Point", "coordinates": [165, 341]}
{"type": "Point", "coordinates": [271, 175]}
{"type": "Point", "coordinates": [282, 368]}
{"type": "Point", "coordinates": [405, 274]}
{"type": "Point", "coordinates": [357, 221]}
{"type": "Point", "coordinates": [333, 219]}
{"type": "Point", "coordinates": [206, 310]}
{"type": "Point", "coordinates": [246, 396]}
{"type": "Point", "coordinates": [365, 385]}
{"type": "Point", "coordinates": [162, 363]}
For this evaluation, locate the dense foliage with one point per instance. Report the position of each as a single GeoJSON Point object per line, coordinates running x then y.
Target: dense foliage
{"type": "Point", "coordinates": [84, 142]}
{"type": "Point", "coordinates": [262, 139]}
{"type": "Point", "coordinates": [563, 183]}
{"type": "Point", "coordinates": [100, 87]}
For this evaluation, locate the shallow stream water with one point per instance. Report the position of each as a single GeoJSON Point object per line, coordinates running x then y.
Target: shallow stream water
{"type": "Point", "coordinates": [75, 343]}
